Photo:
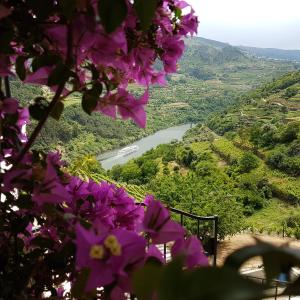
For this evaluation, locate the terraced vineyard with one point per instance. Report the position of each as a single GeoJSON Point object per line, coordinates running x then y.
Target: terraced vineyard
{"type": "Point", "coordinates": [283, 186]}
{"type": "Point", "coordinates": [243, 164]}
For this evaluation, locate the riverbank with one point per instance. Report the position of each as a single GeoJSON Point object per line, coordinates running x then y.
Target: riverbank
{"type": "Point", "coordinates": [111, 158]}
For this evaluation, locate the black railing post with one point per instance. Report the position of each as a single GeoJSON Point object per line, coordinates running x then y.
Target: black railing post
{"type": "Point", "coordinates": [216, 228]}
{"type": "Point", "coordinates": [276, 291]}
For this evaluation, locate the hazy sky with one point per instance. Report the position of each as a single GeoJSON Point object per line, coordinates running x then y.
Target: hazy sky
{"type": "Point", "coordinates": [260, 23]}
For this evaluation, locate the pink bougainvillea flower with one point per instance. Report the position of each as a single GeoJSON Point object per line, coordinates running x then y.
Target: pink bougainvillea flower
{"type": "Point", "coordinates": [158, 224]}
{"type": "Point", "coordinates": [181, 4]}
{"type": "Point", "coordinates": [40, 76]}
{"type": "Point", "coordinates": [173, 50]}
{"type": "Point", "coordinates": [108, 255]}
{"type": "Point", "coordinates": [5, 66]}
{"type": "Point", "coordinates": [16, 178]}
{"type": "Point", "coordinates": [192, 250]}
{"type": "Point", "coordinates": [153, 251]}
{"type": "Point", "coordinates": [8, 106]}
{"type": "Point", "coordinates": [77, 188]}
{"type": "Point", "coordinates": [133, 108]}
{"type": "Point", "coordinates": [48, 187]}
{"type": "Point", "coordinates": [189, 24]}
{"type": "Point", "coordinates": [128, 106]}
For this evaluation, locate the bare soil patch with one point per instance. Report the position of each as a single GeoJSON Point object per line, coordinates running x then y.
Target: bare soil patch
{"type": "Point", "coordinates": [231, 244]}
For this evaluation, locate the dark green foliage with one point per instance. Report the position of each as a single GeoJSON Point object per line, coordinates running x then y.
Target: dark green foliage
{"type": "Point", "coordinates": [90, 98]}
{"type": "Point", "coordinates": [290, 92]}
{"type": "Point", "coordinates": [112, 13]}
{"type": "Point", "coordinates": [185, 156]}
{"type": "Point", "coordinates": [174, 282]}
{"type": "Point", "coordinates": [38, 110]}
{"type": "Point", "coordinates": [145, 11]}
{"type": "Point", "coordinates": [248, 162]}
{"type": "Point", "coordinates": [283, 160]}
{"type": "Point", "coordinates": [289, 133]}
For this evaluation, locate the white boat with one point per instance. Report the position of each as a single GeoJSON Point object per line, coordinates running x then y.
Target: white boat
{"type": "Point", "coordinates": [127, 150]}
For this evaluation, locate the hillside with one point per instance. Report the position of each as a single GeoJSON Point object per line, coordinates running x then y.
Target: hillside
{"type": "Point", "coordinates": [243, 163]}
{"type": "Point", "coordinates": [271, 53]}
{"type": "Point", "coordinates": [211, 76]}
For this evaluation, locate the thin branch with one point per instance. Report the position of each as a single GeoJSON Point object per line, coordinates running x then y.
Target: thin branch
{"type": "Point", "coordinates": [56, 98]}
{"type": "Point", "coordinates": [7, 87]}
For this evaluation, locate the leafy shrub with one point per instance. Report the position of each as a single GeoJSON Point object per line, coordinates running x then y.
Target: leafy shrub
{"type": "Point", "coordinates": [248, 162]}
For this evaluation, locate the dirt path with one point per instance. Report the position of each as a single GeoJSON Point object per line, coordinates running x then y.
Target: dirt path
{"type": "Point", "coordinates": [231, 244]}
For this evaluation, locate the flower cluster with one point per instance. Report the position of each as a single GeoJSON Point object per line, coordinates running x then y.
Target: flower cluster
{"type": "Point", "coordinates": [56, 226]}
{"type": "Point", "coordinates": [112, 235]}
{"type": "Point", "coordinates": [13, 120]}
{"type": "Point", "coordinates": [71, 46]}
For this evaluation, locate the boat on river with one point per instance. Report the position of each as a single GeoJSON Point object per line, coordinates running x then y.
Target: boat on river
{"type": "Point", "coordinates": [128, 150]}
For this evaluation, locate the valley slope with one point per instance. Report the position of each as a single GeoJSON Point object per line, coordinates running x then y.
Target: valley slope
{"type": "Point", "coordinates": [212, 76]}
{"type": "Point", "coordinates": [242, 164]}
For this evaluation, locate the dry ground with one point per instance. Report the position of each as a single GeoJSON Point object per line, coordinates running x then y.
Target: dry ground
{"type": "Point", "coordinates": [240, 240]}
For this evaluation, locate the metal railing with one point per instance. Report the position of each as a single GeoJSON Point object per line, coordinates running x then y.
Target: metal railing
{"type": "Point", "coordinates": [209, 241]}
{"type": "Point", "coordinates": [275, 289]}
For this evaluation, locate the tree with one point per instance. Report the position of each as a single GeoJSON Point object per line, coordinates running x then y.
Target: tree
{"type": "Point", "coordinates": [185, 156]}
{"type": "Point", "coordinates": [289, 133]}
{"type": "Point", "coordinates": [131, 172]}
{"type": "Point", "coordinates": [248, 162]}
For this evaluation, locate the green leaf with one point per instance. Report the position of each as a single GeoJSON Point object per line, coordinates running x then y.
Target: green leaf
{"type": "Point", "coordinates": [42, 242]}
{"type": "Point", "coordinates": [90, 97]}
{"type": "Point", "coordinates": [60, 74]}
{"type": "Point", "coordinates": [19, 224]}
{"type": "Point", "coordinates": [178, 12]}
{"type": "Point", "coordinates": [112, 13]}
{"type": "Point", "coordinates": [20, 67]}
{"type": "Point", "coordinates": [276, 260]}
{"type": "Point", "coordinates": [24, 201]}
{"type": "Point", "coordinates": [57, 111]}
{"type": "Point", "coordinates": [97, 88]}
{"type": "Point", "coordinates": [44, 60]}
{"type": "Point", "coordinates": [219, 284]}
{"type": "Point", "coordinates": [89, 102]}
{"type": "Point", "coordinates": [67, 7]}
{"type": "Point", "coordinates": [80, 283]}
{"type": "Point", "coordinates": [239, 257]}
{"type": "Point", "coordinates": [146, 281]}
{"type": "Point", "coordinates": [145, 10]}
{"type": "Point", "coordinates": [171, 280]}
{"type": "Point", "coordinates": [38, 110]}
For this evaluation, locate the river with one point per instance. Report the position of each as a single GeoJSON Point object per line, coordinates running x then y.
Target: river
{"type": "Point", "coordinates": [111, 158]}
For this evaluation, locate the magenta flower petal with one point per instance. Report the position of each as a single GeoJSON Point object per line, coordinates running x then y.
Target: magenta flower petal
{"type": "Point", "coordinates": [153, 251]}
{"type": "Point", "coordinates": [158, 224]}
{"type": "Point", "coordinates": [108, 267]}
{"type": "Point", "coordinates": [193, 251]}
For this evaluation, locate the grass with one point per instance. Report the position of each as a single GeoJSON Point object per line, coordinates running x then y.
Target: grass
{"type": "Point", "coordinates": [270, 219]}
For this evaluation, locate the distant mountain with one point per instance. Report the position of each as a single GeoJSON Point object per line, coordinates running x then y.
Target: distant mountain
{"type": "Point", "coordinates": [292, 55]}
{"type": "Point", "coordinates": [211, 52]}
